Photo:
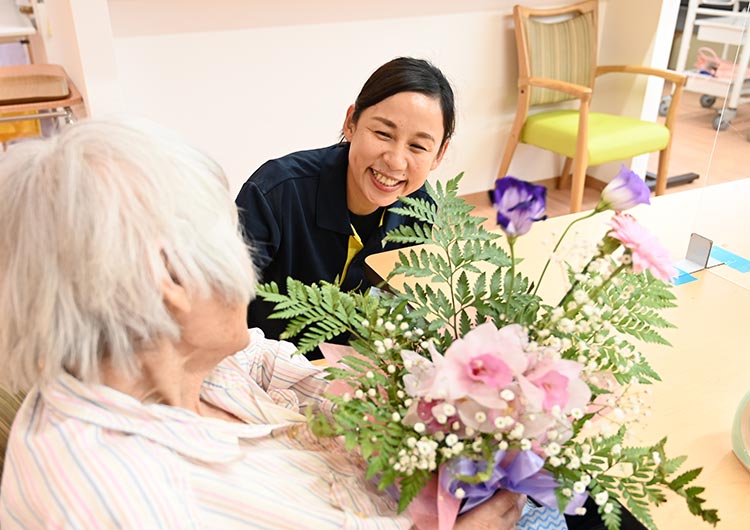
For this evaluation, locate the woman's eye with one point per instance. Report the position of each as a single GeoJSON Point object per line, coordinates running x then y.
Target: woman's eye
{"type": "Point", "coordinates": [418, 147]}
{"type": "Point", "coordinates": [382, 134]}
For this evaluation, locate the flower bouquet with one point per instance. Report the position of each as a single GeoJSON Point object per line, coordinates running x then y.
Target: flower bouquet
{"type": "Point", "coordinates": [466, 381]}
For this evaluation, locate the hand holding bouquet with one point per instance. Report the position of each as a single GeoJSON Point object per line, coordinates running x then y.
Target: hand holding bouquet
{"type": "Point", "coordinates": [466, 381]}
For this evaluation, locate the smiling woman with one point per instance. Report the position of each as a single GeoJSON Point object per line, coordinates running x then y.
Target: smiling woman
{"type": "Point", "coordinates": [316, 215]}
{"type": "Point", "coordinates": [394, 146]}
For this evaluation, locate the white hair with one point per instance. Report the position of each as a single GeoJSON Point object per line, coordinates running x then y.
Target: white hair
{"type": "Point", "coordinates": [92, 221]}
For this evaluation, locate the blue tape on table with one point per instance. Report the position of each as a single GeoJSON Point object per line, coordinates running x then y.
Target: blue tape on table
{"type": "Point", "coordinates": [733, 260]}
{"type": "Point", "coordinates": [684, 277]}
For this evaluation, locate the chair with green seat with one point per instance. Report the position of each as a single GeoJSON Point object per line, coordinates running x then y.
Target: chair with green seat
{"type": "Point", "coordinates": [9, 405]}
{"type": "Point", "coordinates": [557, 62]}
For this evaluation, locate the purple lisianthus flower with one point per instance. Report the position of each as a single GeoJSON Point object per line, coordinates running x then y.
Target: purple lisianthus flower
{"type": "Point", "coordinates": [624, 191]}
{"type": "Point", "coordinates": [518, 204]}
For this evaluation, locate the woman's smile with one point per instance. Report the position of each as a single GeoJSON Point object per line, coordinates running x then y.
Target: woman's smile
{"type": "Point", "coordinates": [393, 147]}
{"type": "Point", "coordinates": [385, 182]}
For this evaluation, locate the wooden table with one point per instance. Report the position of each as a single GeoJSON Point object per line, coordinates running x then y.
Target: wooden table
{"type": "Point", "coordinates": [707, 371]}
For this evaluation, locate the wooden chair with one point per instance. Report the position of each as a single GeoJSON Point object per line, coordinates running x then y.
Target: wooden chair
{"type": "Point", "coordinates": [9, 405]}
{"type": "Point", "coordinates": [31, 92]}
{"type": "Point", "coordinates": [557, 61]}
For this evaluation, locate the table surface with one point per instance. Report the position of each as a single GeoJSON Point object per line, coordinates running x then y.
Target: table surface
{"type": "Point", "coordinates": [706, 372]}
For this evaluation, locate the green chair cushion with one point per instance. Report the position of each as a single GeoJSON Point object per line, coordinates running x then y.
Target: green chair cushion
{"type": "Point", "coordinates": [9, 405]}
{"type": "Point", "coordinates": [611, 137]}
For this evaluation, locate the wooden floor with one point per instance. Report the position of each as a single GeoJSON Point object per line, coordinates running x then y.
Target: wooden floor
{"type": "Point", "coordinates": [716, 156]}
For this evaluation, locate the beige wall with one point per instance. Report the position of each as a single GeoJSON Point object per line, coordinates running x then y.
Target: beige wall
{"type": "Point", "coordinates": [248, 80]}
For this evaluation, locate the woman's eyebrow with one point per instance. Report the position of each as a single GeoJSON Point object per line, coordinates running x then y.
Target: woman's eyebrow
{"type": "Point", "coordinates": [392, 125]}
{"type": "Point", "coordinates": [385, 121]}
{"type": "Point", "coordinates": [426, 136]}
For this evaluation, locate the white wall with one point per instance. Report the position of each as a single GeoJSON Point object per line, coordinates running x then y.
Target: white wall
{"type": "Point", "coordinates": [249, 95]}
{"type": "Point", "coordinates": [247, 80]}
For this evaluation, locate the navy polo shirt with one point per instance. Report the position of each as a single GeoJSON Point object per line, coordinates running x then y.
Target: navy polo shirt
{"type": "Point", "coordinates": [294, 214]}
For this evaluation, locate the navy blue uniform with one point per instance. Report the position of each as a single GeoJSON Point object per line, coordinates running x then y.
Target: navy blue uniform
{"type": "Point", "coordinates": [295, 216]}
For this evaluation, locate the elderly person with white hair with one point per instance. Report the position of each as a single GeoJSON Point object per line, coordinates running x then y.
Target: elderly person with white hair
{"type": "Point", "coordinates": [124, 282]}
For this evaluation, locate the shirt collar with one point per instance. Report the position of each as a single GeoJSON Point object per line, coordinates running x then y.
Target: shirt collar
{"type": "Point", "coordinates": [332, 212]}
{"type": "Point", "coordinates": [199, 438]}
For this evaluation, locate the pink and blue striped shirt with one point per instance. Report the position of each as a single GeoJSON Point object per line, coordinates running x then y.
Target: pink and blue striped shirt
{"type": "Point", "coordinates": [84, 456]}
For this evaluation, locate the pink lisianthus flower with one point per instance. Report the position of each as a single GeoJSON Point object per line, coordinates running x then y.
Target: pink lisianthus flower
{"type": "Point", "coordinates": [489, 369]}
{"type": "Point", "coordinates": [537, 425]}
{"type": "Point", "coordinates": [555, 386]}
{"type": "Point", "coordinates": [550, 386]}
{"type": "Point", "coordinates": [482, 419]}
{"type": "Point", "coordinates": [427, 413]}
{"type": "Point", "coordinates": [555, 383]}
{"type": "Point", "coordinates": [421, 372]}
{"type": "Point", "coordinates": [645, 249]}
{"type": "Point", "coordinates": [481, 364]}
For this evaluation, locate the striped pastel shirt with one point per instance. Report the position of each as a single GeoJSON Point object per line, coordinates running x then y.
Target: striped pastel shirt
{"type": "Point", "coordinates": [86, 456]}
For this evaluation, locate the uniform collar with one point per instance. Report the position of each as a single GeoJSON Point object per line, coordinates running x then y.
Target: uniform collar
{"type": "Point", "coordinates": [204, 439]}
{"type": "Point", "coordinates": [332, 212]}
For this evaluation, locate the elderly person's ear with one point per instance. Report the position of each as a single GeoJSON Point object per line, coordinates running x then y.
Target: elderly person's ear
{"type": "Point", "coordinates": [174, 294]}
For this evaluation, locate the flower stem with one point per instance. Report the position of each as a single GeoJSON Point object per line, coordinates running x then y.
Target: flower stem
{"type": "Point", "coordinates": [595, 292]}
{"type": "Point", "coordinates": [599, 289]}
{"type": "Point", "coordinates": [565, 232]}
{"type": "Point", "coordinates": [511, 244]}
{"type": "Point", "coordinates": [575, 284]}
{"type": "Point", "coordinates": [451, 289]}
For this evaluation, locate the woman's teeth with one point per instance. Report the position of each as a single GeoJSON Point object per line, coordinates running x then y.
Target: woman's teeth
{"type": "Point", "coordinates": [384, 180]}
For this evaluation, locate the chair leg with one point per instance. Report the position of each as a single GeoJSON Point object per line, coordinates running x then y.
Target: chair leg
{"type": "Point", "coordinates": [576, 189]}
{"type": "Point", "coordinates": [661, 172]}
{"type": "Point", "coordinates": [564, 180]}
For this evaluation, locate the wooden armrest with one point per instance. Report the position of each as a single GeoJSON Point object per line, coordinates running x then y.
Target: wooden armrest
{"type": "Point", "coordinates": [675, 77]}
{"type": "Point", "coordinates": [579, 91]}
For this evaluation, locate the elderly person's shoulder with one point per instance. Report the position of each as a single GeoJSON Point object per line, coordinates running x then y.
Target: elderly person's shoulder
{"type": "Point", "coordinates": [81, 454]}
{"type": "Point", "coordinates": [270, 362]}
{"type": "Point", "coordinates": [271, 371]}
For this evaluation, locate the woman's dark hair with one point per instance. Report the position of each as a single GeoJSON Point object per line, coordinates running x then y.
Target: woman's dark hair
{"type": "Point", "coordinates": [406, 74]}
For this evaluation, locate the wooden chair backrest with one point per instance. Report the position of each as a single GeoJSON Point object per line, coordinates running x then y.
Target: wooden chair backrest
{"type": "Point", "coordinates": [559, 44]}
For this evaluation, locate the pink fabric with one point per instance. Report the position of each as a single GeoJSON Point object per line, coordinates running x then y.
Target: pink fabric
{"type": "Point", "coordinates": [434, 508]}
{"type": "Point", "coordinates": [333, 353]}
